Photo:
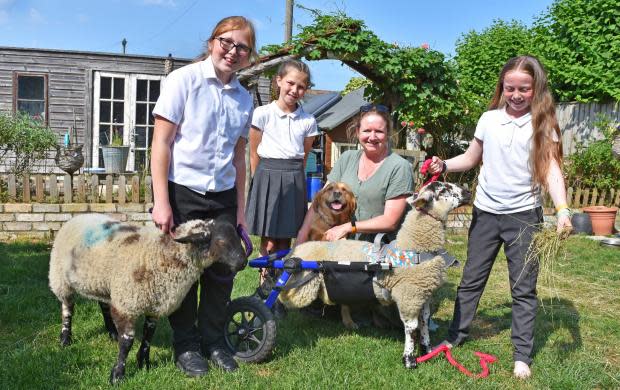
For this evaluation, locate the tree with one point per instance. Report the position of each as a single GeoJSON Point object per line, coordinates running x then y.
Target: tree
{"type": "Point", "coordinates": [579, 43]}
{"type": "Point", "coordinates": [418, 84]}
{"type": "Point", "coordinates": [23, 141]}
{"type": "Point", "coordinates": [355, 83]}
{"type": "Point", "coordinates": [479, 59]}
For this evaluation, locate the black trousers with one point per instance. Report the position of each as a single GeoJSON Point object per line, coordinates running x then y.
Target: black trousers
{"type": "Point", "coordinates": [487, 233]}
{"type": "Point", "coordinates": [199, 322]}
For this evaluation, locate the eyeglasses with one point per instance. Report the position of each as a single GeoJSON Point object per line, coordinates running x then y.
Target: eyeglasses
{"type": "Point", "coordinates": [228, 44]}
{"type": "Point", "coordinates": [374, 107]}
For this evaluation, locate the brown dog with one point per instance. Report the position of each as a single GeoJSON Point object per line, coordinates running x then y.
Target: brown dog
{"type": "Point", "coordinates": [334, 205]}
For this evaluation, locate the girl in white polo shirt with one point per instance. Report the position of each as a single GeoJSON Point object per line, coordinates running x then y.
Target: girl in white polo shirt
{"type": "Point", "coordinates": [519, 144]}
{"type": "Point", "coordinates": [280, 139]}
{"type": "Point", "coordinates": [202, 119]}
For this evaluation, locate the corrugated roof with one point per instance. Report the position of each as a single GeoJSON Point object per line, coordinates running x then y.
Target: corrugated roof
{"type": "Point", "coordinates": [318, 104]}
{"type": "Point", "coordinates": [342, 111]}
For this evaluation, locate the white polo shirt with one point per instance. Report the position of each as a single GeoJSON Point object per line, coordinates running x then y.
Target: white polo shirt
{"type": "Point", "coordinates": [505, 179]}
{"type": "Point", "coordinates": [211, 117]}
{"type": "Point", "coordinates": [283, 133]}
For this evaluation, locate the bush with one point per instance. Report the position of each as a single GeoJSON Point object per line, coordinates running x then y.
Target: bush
{"type": "Point", "coordinates": [593, 165]}
{"type": "Point", "coordinates": [24, 140]}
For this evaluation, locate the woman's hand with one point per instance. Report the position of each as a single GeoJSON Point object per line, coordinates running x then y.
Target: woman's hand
{"type": "Point", "coordinates": [162, 216]}
{"type": "Point", "coordinates": [338, 232]}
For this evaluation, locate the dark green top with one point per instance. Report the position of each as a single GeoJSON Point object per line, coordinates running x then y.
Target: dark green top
{"type": "Point", "coordinates": [393, 178]}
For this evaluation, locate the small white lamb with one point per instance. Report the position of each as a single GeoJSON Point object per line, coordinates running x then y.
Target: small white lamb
{"type": "Point", "coordinates": [136, 270]}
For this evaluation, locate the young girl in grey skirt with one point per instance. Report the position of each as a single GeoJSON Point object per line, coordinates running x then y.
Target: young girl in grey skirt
{"type": "Point", "coordinates": [280, 138]}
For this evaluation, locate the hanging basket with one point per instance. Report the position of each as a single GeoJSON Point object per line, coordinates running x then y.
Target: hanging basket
{"type": "Point", "coordinates": [69, 158]}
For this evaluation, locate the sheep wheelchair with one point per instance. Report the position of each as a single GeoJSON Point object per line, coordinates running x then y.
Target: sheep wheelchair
{"type": "Point", "coordinates": [404, 272]}
{"type": "Point", "coordinates": [251, 328]}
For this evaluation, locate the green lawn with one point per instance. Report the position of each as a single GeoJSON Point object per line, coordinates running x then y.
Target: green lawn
{"type": "Point", "coordinates": [577, 336]}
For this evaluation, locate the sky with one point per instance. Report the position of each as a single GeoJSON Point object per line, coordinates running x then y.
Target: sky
{"type": "Point", "coordinates": [180, 27]}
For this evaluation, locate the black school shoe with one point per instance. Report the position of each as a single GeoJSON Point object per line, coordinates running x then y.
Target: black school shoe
{"type": "Point", "coordinates": [219, 357]}
{"type": "Point", "coordinates": [192, 364]}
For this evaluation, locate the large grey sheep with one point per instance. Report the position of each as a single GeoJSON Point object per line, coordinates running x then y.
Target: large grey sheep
{"type": "Point", "coordinates": [135, 270]}
{"type": "Point", "coordinates": [409, 287]}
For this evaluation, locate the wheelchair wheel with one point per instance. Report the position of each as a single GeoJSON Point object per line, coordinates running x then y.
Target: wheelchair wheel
{"type": "Point", "coordinates": [250, 330]}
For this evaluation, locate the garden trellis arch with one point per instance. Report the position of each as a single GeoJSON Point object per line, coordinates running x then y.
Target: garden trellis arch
{"type": "Point", "coordinates": [416, 83]}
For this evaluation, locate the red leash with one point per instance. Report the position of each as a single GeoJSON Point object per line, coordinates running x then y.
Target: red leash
{"type": "Point", "coordinates": [485, 360]}
{"type": "Point", "coordinates": [424, 171]}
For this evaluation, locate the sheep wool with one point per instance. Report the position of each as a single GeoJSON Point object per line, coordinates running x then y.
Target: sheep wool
{"type": "Point", "coordinates": [410, 288]}
{"type": "Point", "coordinates": [136, 270]}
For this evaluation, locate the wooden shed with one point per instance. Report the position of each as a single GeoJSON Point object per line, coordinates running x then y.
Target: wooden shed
{"type": "Point", "coordinates": [96, 93]}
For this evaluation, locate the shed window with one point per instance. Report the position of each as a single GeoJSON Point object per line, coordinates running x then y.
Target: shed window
{"type": "Point", "coordinates": [122, 105]}
{"type": "Point", "coordinates": [31, 94]}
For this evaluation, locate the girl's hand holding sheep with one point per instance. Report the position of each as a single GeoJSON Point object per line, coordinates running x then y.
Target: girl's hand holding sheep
{"type": "Point", "coordinates": [162, 217]}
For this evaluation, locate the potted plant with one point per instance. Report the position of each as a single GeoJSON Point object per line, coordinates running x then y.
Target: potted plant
{"type": "Point", "coordinates": [115, 153]}
{"type": "Point", "coordinates": [595, 166]}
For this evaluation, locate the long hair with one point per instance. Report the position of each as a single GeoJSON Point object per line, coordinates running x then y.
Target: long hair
{"type": "Point", "coordinates": [544, 121]}
{"type": "Point", "coordinates": [228, 24]}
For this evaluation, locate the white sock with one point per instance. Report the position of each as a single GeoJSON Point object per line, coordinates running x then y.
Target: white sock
{"type": "Point", "coordinates": [522, 370]}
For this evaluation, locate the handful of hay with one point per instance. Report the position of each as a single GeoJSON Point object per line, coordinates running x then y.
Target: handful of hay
{"type": "Point", "coordinates": [546, 248]}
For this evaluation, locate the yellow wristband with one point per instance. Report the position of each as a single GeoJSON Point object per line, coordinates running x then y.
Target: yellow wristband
{"type": "Point", "coordinates": [560, 207]}
{"type": "Point", "coordinates": [353, 227]}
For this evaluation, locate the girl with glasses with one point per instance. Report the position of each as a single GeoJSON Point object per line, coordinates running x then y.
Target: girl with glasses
{"type": "Point", "coordinates": [202, 119]}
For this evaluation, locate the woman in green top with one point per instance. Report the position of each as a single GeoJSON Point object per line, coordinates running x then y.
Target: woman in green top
{"type": "Point", "coordinates": [380, 179]}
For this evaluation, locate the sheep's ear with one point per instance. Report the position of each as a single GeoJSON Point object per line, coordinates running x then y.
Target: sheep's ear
{"type": "Point", "coordinates": [195, 231]}
{"type": "Point", "coordinates": [195, 238]}
{"type": "Point", "coordinates": [422, 199]}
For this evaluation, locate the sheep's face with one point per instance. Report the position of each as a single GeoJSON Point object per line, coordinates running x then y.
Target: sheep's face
{"type": "Point", "coordinates": [226, 248]}
{"type": "Point", "coordinates": [219, 240]}
{"type": "Point", "coordinates": [439, 198]}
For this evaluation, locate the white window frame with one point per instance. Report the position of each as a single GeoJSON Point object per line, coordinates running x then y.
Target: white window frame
{"type": "Point", "coordinates": [129, 114]}
{"type": "Point", "coordinates": [337, 149]}
{"type": "Point", "coordinates": [134, 89]}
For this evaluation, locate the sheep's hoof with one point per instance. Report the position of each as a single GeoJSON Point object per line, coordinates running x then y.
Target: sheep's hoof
{"type": "Point", "coordinates": [350, 325]}
{"type": "Point", "coordinates": [117, 374]}
{"type": "Point", "coordinates": [144, 359]}
{"type": "Point", "coordinates": [65, 338]}
{"type": "Point", "coordinates": [410, 361]}
{"type": "Point", "coordinates": [113, 336]}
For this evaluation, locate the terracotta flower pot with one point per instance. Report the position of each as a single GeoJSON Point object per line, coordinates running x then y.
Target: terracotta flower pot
{"type": "Point", "coordinates": [603, 219]}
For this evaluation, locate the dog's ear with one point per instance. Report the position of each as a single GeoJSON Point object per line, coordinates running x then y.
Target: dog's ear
{"type": "Point", "coordinates": [319, 196]}
{"type": "Point", "coordinates": [352, 201]}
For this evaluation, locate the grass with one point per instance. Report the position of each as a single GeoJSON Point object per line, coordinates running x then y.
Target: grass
{"type": "Point", "coordinates": [577, 336]}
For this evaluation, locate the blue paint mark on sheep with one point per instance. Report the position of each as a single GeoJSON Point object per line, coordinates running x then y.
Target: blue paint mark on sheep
{"type": "Point", "coordinates": [100, 233]}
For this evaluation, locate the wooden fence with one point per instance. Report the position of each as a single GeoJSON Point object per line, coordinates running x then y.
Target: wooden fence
{"type": "Point", "coordinates": [133, 188]}
{"type": "Point", "coordinates": [85, 188]}
{"type": "Point", "coordinates": [577, 121]}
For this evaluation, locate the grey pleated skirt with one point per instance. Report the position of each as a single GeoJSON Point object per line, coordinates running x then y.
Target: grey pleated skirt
{"type": "Point", "coordinates": [277, 203]}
